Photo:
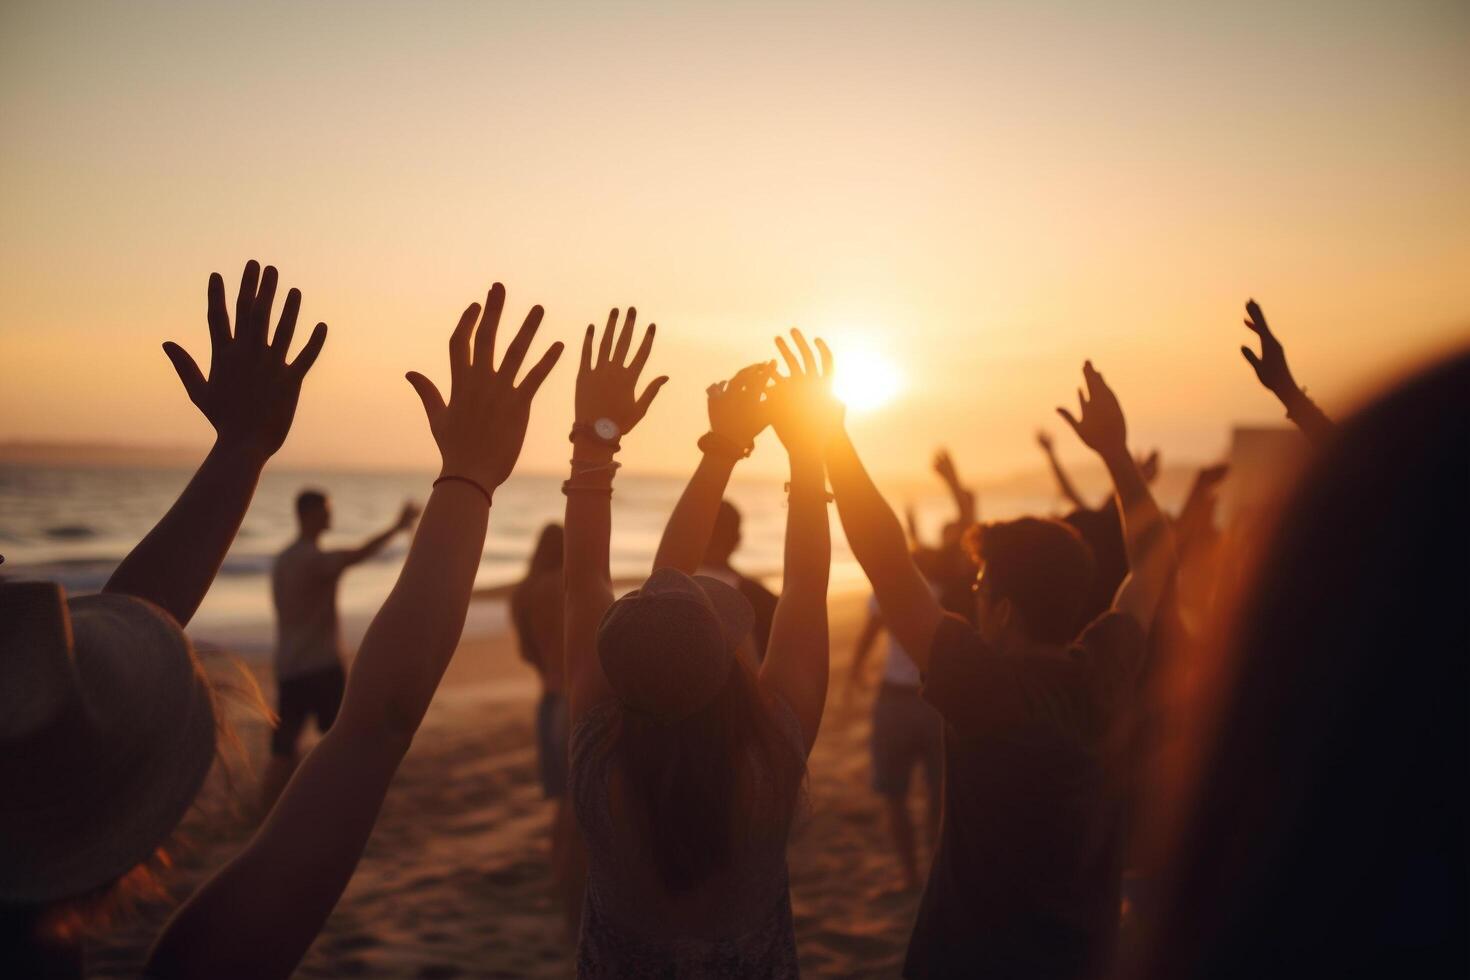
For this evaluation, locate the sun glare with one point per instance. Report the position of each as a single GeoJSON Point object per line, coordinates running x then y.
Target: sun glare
{"type": "Point", "coordinates": [865, 380]}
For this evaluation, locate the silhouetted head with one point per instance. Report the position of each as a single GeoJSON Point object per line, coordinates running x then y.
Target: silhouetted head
{"type": "Point", "coordinates": [547, 556]}
{"type": "Point", "coordinates": [313, 512]}
{"type": "Point", "coordinates": [707, 762]}
{"type": "Point", "coordinates": [1035, 577]}
{"type": "Point", "coordinates": [1324, 828]}
{"type": "Point", "coordinates": [107, 730]}
{"type": "Point", "coordinates": [725, 537]}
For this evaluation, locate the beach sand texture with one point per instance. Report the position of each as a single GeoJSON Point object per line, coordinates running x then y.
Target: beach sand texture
{"type": "Point", "coordinates": [455, 880]}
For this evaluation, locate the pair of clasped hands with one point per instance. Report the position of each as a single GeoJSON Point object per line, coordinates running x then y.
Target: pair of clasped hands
{"type": "Point", "coordinates": [252, 389]}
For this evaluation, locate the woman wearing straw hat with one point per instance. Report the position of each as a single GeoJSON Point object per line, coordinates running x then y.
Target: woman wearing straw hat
{"type": "Point", "coordinates": [260, 913]}
{"type": "Point", "coordinates": [107, 721]}
{"type": "Point", "coordinates": [686, 761]}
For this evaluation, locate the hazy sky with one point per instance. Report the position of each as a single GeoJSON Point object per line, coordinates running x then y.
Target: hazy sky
{"type": "Point", "coordinates": [986, 193]}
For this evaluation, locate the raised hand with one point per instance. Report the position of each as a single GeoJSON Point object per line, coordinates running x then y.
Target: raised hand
{"type": "Point", "coordinates": [944, 466]}
{"type": "Point", "coordinates": [481, 429]}
{"type": "Point", "coordinates": [1270, 364]}
{"type": "Point", "coordinates": [251, 393]}
{"type": "Point", "coordinates": [605, 390]}
{"type": "Point", "coordinates": [408, 515]}
{"type": "Point", "coordinates": [1102, 426]}
{"type": "Point", "coordinates": [804, 412]}
{"type": "Point", "coordinates": [737, 410]}
{"type": "Point", "coordinates": [1043, 439]}
{"type": "Point", "coordinates": [1148, 466]}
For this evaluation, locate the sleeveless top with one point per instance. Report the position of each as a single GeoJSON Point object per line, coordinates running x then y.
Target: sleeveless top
{"type": "Point", "coordinates": [631, 927]}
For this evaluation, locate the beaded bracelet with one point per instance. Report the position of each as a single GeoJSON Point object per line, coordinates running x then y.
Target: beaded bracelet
{"type": "Point", "coordinates": [611, 467]}
{"type": "Point", "coordinates": [567, 487]}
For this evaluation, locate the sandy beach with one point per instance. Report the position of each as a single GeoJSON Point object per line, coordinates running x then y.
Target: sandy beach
{"type": "Point", "coordinates": [455, 880]}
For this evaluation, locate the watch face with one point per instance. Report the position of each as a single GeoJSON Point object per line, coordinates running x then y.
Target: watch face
{"type": "Point", "coordinates": [606, 429]}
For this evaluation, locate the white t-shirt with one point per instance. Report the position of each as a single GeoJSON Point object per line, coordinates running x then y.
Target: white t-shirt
{"type": "Point", "coordinates": [304, 587]}
{"type": "Point", "coordinates": [899, 668]}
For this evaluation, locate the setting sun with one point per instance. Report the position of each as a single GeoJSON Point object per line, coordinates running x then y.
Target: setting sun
{"type": "Point", "coordinates": [865, 380]}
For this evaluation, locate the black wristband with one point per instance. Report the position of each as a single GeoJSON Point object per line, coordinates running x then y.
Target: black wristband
{"type": "Point", "coordinates": [717, 445]}
{"type": "Point", "coordinates": [464, 479]}
{"type": "Point", "coordinates": [582, 432]}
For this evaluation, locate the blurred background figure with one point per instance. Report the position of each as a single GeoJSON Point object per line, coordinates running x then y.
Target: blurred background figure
{"type": "Point", "coordinates": [906, 733]}
{"type": "Point", "coordinates": [723, 541]}
{"type": "Point", "coordinates": [535, 612]}
{"type": "Point", "coordinates": [310, 677]}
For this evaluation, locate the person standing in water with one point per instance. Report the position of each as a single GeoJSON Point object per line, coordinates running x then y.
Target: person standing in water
{"type": "Point", "coordinates": [310, 677]}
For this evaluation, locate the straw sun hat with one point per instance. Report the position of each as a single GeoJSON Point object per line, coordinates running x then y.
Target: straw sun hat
{"type": "Point", "coordinates": [106, 734]}
{"type": "Point", "coordinates": [667, 647]}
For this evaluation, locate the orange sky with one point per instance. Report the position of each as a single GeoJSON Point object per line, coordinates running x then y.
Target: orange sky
{"type": "Point", "coordinates": [987, 193]}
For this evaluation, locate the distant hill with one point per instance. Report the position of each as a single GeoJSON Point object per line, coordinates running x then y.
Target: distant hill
{"type": "Point", "coordinates": [98, 454]}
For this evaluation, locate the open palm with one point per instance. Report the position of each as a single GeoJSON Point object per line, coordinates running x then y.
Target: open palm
{"type": "Point", "coordinates": [251, 393]}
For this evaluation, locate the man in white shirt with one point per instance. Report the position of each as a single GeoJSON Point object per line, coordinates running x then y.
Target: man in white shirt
{"type": "Point", "coordinates": [308, 660]}
{"type": "Point", "coordinates": [906, 732]}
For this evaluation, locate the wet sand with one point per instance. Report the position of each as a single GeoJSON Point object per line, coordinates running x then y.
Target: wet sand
{"type": "Point", "coordinates": [455, 880]}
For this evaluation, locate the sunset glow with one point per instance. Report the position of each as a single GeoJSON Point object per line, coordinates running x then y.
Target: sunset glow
{"type": "Point", "coordinates": [865, 380]}
{"type": "Point", "coordinates": [1019, 186]}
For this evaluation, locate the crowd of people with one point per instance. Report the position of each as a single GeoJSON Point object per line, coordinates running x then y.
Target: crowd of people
{"type": "Point", "coordinates": [1153, 747]}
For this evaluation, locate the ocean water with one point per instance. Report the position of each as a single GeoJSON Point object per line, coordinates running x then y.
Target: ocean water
{"type": "Point", "coordinates": [73, 525]}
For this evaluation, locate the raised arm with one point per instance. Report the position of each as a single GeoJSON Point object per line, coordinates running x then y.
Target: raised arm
{"type": "Point", "coordinates": [805, 417]}
{"type": "Point", "coordinates": [378, 542]}
{"type": "Point", "coordinates": [737, 414]}
{"type": "Point", "coordinates": [1064, 482]}
{"type": "Point", "coordinates": [963, 497]}
{"type": "Point", "coordinates": [910, 611]}
{"type": "Point", "coordinates": [260, 913]}
{"type": "Point", "coordinates": [250, 399]}
{"type": "Point", "coordinates": [1275, 376]}
{"type": "Point", "coordinates": [606, 394]}
{"type": "Point", "coordinates": [1146, 535]}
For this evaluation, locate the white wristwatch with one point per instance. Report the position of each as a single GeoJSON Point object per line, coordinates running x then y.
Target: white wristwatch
{"type": "Point", "coordinates": [607, 430]}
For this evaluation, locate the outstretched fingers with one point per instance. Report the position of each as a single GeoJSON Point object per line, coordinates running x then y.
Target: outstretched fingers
{"type": "Point", "coordinates": [644, 349]}
{"type": "Point", "coordinates": [459, 345]}
{"type": "Point", "coordinates": [188, 372]}
{"type": "Point", "coordinates": [259, 322]}
{"type": "Point", "coordinates": [309, 353]}
{"type": "Point", "coordinates": [286, 328]}
{"type": "Point", "coordinates": [826, 353]}
{"type": "Point", "coordinates": [515, 354]}
{"type": "Point", "coordinates": [646, 399]}
{"type": "Point", "coordinates": [604, 350]}
{"type": "Point", "coordinates": [484, 346]}
{"type": "Point", "coordinates": [625, 336]}
{"type": "Point", "coordinates": [1256, 320]}
{"type": "Point", "coordinates": [791, 363]}
{"type": "Point", "coordinates": [219, 315]}
{"type": "Point", "coordinates": [245, 301]}
{"type": "Point", "coordinates": [428, 393]}
{"type": "Point", "coordinates": [586, 363]}
{"type": "Point", "coordinates": [540, 370]}
{"type": "Point", "coordinates": [1071, 420]}
{"type": "Point", "coordinates": [807, 360]}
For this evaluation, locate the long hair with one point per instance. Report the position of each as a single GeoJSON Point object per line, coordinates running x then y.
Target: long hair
{"type": "Point", "coordinates": [546, 559]}
{"type": "Point", "coordinates": [547, 555]}
{"type": "Point", "coordinates": [1322, 829]}
{"type": "Point", "coordinates": [728, 775]}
